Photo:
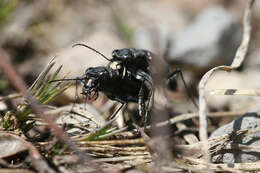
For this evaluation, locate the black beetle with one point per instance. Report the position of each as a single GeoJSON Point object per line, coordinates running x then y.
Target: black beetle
{"type": "Point", "coordinates": [126, 78]}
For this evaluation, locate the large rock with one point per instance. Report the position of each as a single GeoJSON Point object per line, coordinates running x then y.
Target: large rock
{"type": "Point", "coordinates": [246, 121]}
{"type": "Point", "coordinates": [211, 39]}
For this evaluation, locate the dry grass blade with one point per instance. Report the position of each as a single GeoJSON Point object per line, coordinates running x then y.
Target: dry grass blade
{"type": "Point", "coordinates": [112, 142]}
{"type": "Point", "coordinates": [117, 159]}
{"type": "Point", "coordinates": [42, 74]}
{"type": "Point", "coordinates": [244, 92]}
{"type": "Point", "coordinates": [187, 116]}
{"type": "Point", "coordinates": [242, 50]}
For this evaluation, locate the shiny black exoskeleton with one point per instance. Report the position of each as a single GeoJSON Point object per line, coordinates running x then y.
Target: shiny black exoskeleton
{"type": "Point", "coordinates": [126, 78]}
{"type": "Point", "coordinates": [121, 81]}
{"type": "Point", "coordinates": [133, 59]}
{"type": "Point", "coordinates": [116, 85]}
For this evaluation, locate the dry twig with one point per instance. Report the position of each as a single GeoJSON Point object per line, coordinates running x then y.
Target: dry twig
{"type": "Point", "coordinates": [10, 96]}
{"type": "Point", "coordinates": [187, 116]}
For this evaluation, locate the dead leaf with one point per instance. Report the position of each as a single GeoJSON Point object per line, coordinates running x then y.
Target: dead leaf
{"type": "Point", "coordinates": [10, 145]}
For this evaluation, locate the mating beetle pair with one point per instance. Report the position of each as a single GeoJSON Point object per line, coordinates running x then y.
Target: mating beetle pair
{"type": "Point", "coordinates": [126, 78]}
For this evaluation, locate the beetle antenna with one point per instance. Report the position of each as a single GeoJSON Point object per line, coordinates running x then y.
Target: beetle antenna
{"type": "Point", "coordinates": [59, 80]}
{"type": "Point", "coordinates": [81, 44]}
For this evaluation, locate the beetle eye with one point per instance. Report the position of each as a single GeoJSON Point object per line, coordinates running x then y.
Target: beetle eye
{"type": "Point", "coordinates": [90, 68]}
{"type": "Point", "coordinates": [115, 53]}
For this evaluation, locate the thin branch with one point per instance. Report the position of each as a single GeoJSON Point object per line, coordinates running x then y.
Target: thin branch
{"type": "Point", "coordinates": [187, 116]}
{"type": "Point", "coordinates": [113, 142]}
{"type": "Point", "coordinates": [11, 96]}
{"type": "Point", "coordinates": [242, 50]}
{"type": "Point", "coordinates": [10, 72]}
{"type": "Point", "coordinates": [123, 158]}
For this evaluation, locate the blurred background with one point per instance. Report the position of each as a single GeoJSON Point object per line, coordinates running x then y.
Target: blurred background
{"type": "Point", "coordinates": [191, 35]}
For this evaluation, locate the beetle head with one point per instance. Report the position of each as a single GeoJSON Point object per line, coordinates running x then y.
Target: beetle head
{"type": "Point", "coordinates": [92, 80]}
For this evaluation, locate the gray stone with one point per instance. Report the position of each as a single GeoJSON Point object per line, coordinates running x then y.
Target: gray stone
{"type": "Point", "coordinates": [145, 37]}
{"type": "Point", "coordinates": [246, 121]}
{"type": "Point", "coordinates": [160, 22]}
{"type": "Point", "coordinates": [210, 39]}
{"type": "Point", "coordinates": [84, 119]}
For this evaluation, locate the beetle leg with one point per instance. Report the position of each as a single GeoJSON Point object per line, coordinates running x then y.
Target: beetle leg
{"type": "Point", "coordinates": [141, 103]}
{"type": "Point", "coordinates": [142, 107]}
{"type": "Point", "coordinates": [76, 94]}
{"type": "Point", "coordinates": [109, 70]}
{"type": "Point", "coordinates": [148, 83]}
{"type": "Point", "coordinates": [124, 72]}
{"type": "Point", "coordinates": [113, 117]}
{"type": "Point", "coordinates": [172, 77]}
{"type": "Point", "coordinates": [96, 95]}
{"type": "Point", "coordinates": [150, 99]}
